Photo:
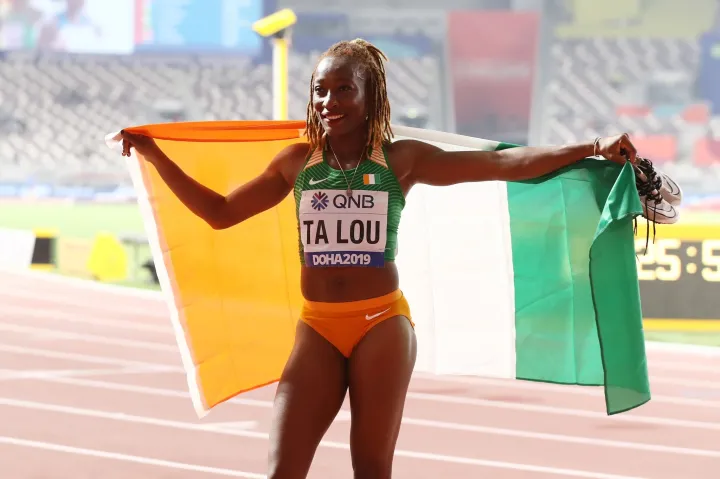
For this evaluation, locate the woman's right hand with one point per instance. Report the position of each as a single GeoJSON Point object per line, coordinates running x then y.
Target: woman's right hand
{"type": "Point", "coordinates": [144, 145]}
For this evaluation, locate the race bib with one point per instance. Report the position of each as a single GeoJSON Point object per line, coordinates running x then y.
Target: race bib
{"type": "Point", "coordinates": [338, 230]}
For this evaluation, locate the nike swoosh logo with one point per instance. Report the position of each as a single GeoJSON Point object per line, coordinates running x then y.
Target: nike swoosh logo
{"type": "Point", "coordinates": [315, 182]}
{"type": "Point", "coordinates": [669, 212]}
{"type": "Point", "coordinates": [373, 316]}
{"type": "Point", "coordinates": [662, 209]}
{"type": "Point", "coordinates": [672, 186]}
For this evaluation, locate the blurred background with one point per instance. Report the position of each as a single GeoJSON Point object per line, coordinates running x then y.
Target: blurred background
{"type": "Point", "coordinates": [523, 71]}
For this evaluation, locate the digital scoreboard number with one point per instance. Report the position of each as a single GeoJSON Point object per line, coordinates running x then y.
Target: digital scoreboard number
{"type": "Point", "coordinates": [680, 273]}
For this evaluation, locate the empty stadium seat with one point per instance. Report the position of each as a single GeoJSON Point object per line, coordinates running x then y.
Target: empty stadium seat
{"type": "Point", "coordinates": [660, 149]}
{"type": "Point", "coordinates": [707, 152]}
{"type": "Point", "coordinates": [58, 108]}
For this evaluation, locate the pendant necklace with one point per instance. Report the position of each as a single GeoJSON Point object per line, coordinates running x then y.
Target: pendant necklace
{"type": "Point", "coordinates": [357, 167]}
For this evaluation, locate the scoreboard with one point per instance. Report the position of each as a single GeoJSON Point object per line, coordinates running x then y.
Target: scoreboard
{"type": "Point", "coordinates": [198, 25]}
{"type": "Point", "coordinates": [679, 276]}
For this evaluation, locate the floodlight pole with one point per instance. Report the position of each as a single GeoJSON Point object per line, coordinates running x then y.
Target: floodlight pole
{"type": "Point", "coordinates": [278, 27]}
{"type": "Point", "coordinates": [281, 47]}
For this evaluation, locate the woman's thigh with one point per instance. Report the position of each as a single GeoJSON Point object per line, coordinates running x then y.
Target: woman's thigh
{"type": "Point", "coordinates": [379, 376]}
{"type": "Point", "coordinates": [309, 395]}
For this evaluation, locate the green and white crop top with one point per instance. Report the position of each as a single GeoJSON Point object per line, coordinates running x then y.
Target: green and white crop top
{"type": "Point", "coordinates": [339, 230]}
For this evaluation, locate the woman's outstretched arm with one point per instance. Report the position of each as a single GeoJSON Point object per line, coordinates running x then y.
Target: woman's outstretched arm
{"type": "Point", "coordinates": [218, 210]}
{"type": "Point", "coordinates": [434, 166]}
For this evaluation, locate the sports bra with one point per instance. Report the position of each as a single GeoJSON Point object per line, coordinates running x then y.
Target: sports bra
{"type": "Point", "coordinates": [337, 229]}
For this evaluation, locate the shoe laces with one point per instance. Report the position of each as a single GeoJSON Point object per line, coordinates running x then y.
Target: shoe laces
{"type": "Point", "coordinates": [649, 187]}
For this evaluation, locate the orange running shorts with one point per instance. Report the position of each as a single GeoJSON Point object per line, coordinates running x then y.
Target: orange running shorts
{"type": "Point", "coordinates": [345, 324]}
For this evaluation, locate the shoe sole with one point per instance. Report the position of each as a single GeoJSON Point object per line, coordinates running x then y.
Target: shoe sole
{"type": "Point", "coordinates": [660, 213]}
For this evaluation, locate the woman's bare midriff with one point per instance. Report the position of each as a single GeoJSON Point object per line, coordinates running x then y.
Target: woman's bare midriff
{"type": "Point", "coordinates": [344, 284]}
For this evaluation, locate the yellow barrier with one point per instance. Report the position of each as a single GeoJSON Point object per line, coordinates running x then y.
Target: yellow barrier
{"type": "Point", "coordinates": [73, 255]}
{"type": "Point", "coordinates": [108, 259]}
{"type": "Point", "coordinates": [103, 258]}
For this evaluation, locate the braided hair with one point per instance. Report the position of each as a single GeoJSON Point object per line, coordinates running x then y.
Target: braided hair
{"type": "Point", "coordinates": [370, 59]}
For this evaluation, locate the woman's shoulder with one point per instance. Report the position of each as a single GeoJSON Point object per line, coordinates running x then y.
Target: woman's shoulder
{"type": "Point", "coordinates": [293, 155]}
{"type": "Point", "coordinates": [296, 150]}
{"type": "Point", "coordinates": [291, 160]}
{"type": "Point", "coordinates": [409, 147]}
{"type": "Point", "coordinates": [402, 154]}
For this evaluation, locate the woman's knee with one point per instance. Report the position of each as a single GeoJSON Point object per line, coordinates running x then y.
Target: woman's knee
{"type": "Point", "coordinates": [373, 466]}
{"type": "Point", "coordinates": [285, 469]}
{"type": "Point", "coordinates": [373, 440]}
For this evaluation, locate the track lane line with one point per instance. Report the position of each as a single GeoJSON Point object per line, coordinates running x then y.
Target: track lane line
{"type": "Point", "coordinates": [135, 326]}
{"type": "Point", "coordinates": [654, 420]}
{"type": "Point", "coordinates": [418, 422]}
{"type": "Point", "coordinates": [64, 317]}
{"type": "Point", "coordinates": [520, 385]}
{"type": "Point", "coordinates": [154, 296]}
{"type": "Point", "coordinates": [426, 456]}
{"type": "Point", "coordinates": [69, 282]}
{"type": "Point", "coordinates": [523, 385]}
{"type": "Point", "coordinates": [15, 374]}
{"type": "Point", "coordinates": [562, 411]}
{"type": "Point", "coordinates": [85, 302]}
{"type": "Point", "coordinates": [93, 338]}
{"type": "Point", "coordinates": [87, 358]}
{"type": "Point", "coordinates": [79, 451]}
{"type": "Point", "coordinates": [444, 379]}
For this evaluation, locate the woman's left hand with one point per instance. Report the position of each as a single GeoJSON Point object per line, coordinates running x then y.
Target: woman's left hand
{"type": "Point", "coordinates": [618, 149]}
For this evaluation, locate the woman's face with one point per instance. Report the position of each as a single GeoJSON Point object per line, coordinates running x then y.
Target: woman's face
{"type": "Point", "coordinates": [339, 96]}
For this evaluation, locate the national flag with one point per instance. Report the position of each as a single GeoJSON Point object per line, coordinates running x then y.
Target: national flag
{"type": "Point", "coordinates": [533, 280]}
{"type": "Point", "coordinates": [369, 179]}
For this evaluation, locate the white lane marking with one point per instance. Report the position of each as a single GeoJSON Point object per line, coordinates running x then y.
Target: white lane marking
{"type": "Point", "coordinates": [241, 425]}
{"type": "Point", "coordinates": [9, 311]}
{"type": "Point", "coordinates": [561, 389]}
{"type": "Point", "coordinates": [329, 444]}
{"type": "Point", "coordinates": [93, 338]}
{"type": "Point", "coordinates": [85, 302]}
{"type": "Point", "coordinates": [345, 415]}
{"type": "Point", "coordinates": [15, 374]}
{"type": "Point", "coordinates": [563, 411]}
{"type": "Point", "coordinates": [134, 325]}
{"type": "Point", "coordinates": [86, 284]}
{"type": "Point", "coordinates": [79, 451]}
{"type": "Point", "coordinates": [86, 358]}
{"type": "Point", "coordinates": [160, 298]}
{"type": "Point", "coordinates": [522, 385]}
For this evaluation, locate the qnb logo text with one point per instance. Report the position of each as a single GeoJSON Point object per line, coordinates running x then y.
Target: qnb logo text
{"type": "Point", "coordinates": [344, 202]}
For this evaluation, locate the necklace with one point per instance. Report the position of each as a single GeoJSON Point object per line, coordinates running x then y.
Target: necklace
{"type": "Point", "coordinates": [357, 167]}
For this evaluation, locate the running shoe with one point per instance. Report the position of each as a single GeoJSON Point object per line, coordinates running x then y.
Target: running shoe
{"type": "Point", "coordinates": [658, 192]}
{"type": "Point", "coordinates": [668, 188]}
{"type": "Point", "coordinates": [656, 208]}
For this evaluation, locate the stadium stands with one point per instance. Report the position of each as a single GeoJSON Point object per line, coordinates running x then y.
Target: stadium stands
{"type": "Point", "coordinates": [643, 86]}
{"type": "Point", "coordinates": [55, 110]}
{"type": "Point", "coordinates": [638, 75]}
{"type": "Point", "coordinates": [621, 65]}
{"type": "Point", "coordinates": [635, 18]}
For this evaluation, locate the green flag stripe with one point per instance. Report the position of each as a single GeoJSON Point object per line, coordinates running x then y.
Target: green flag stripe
{"type": "Point", "coordinates": [573, 251]}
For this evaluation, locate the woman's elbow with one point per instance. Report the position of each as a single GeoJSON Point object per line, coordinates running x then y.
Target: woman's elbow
{"type": "Point", "coordinates": [220, 218]}
{"type": "Point", "coordinates": [218, 225]}
{"type": "Point", "coordinates": [221, 222]}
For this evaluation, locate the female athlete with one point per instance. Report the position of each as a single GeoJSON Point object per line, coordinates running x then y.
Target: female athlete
{"type": "Point", "coordinates": [350, 181]}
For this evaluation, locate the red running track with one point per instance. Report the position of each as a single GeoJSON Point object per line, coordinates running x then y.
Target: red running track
{"type": "Point", "coordinates": [91, 385]}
